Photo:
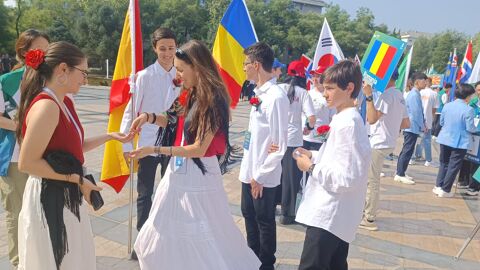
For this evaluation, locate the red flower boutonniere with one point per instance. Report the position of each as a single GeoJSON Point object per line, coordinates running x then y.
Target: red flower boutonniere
{"type": "Point", "coordinates": [255, 101]}
{"type": "Point", "coordinates": [34, 58]}
{"type": "Point", "coordinates": [323, 132]}
{"type": "Point", "coordinates": [177, 82]}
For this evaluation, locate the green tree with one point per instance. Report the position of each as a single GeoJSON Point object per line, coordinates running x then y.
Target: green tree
{"type": "Point", "coordinates": [6, 36]}
{"type": "Point", "coordinates": [59, 32]}
{"type": "Point", "coordinates": [215, 10]}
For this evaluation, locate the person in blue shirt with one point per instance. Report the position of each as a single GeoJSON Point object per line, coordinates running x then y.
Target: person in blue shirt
{"type": "Point", "coordinates": [466, 180]}
{"type": "Point", "coordinates": [457, 124]}
{"type": "Point", "coordinates": [417, 126]}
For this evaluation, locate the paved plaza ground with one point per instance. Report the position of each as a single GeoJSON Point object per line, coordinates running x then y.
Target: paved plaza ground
{"type": "Point", "coordinates": [416, 229]}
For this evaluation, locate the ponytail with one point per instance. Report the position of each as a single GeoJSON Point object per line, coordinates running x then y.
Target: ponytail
{"type": "Point", "coordinates": [41, 71]}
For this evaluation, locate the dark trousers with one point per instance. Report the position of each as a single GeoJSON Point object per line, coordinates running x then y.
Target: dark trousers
{"type": "Point", "coordinates": [409, 140]}
{"type": "Point", "coordinates": [312, 146]}
{"type": "Point", "coordinates": [322, 250]}
{"type": "Point", "coordinates": [450, 164]}
{"type": "Point", "coordinates": [291, 177]}
{"type": "Point", "coordinates": [147, 168]}
{"type": "Point", "coordinates": [465, 177]}
{"type": "Point", "coordinates": [260, 224]}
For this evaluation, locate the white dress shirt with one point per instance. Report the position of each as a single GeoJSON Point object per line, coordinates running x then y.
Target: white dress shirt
{"type": "Point", "coordinates": [154, 93]}
{"type": "Point", "coordinates": [323, 114]}
{"type": "Point", "coordinates": [429, 102]}
{"type": "Point", "coordinates": [335, 192]}
{"type": "Point", "coordinates": [384, 133]}
{"type": "Point", "coordinates": [268, 125]}
{"type": "Point", "coordinates": [302, 104]}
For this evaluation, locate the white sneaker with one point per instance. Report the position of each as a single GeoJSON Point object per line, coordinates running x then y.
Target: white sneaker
{"type": "Point", "coordinates": [443, 194]}
{"type": "Point", "coordinates": [368, 225]}
{"type": "Point", "coordinates": [404, 180]}
{"type": "Point", "coordinates": [382, 174]}
{"type": "Point", "coordinates": [460, 186]}
{"type": "Point", "coordinates": [412, 162]}
{"type": "Point", "coordinates": [409, 177]}
{"type": "Point", "coordinates": [436, 190]}
{"type": "Point", "coordinates": [432, 164]}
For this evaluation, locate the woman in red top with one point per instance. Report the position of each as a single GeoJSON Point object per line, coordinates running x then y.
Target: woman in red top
{"type": "Point", "coordinates": [49, 124]}
{"type": "Point", "coordinates": [190, 225]}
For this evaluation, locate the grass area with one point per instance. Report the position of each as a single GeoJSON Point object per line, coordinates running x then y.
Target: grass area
{"type": "Point", "coordinates": [99, 80]}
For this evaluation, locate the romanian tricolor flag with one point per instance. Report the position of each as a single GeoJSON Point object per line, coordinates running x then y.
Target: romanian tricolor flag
{"type": "Point", "coordinates": [380, 58]}
{"type": "Point", "coordinates": [115, 171]}
{"type": "Point", "coordinates": [235, 33]}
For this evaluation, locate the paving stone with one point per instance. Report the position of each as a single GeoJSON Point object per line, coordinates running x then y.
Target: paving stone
{"type": "Point", "coordinates": [416, 229]}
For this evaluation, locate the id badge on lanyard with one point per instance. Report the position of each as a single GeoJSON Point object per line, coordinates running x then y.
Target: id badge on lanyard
{"type": "Point", "coordinates": [180, 163]}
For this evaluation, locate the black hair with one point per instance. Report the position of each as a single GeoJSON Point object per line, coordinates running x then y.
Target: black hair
{"type": "Point", "coordinates": [343, 73]}
{"type": "Point", "coordinates": [162, 33]}
{"type": "Point", "coordinates": [448, 85]}
{"type": "Point", "coordinates": [295, 81]}
{"type": "Point", "coordinates": [418, 76]}
{"type": "Point", "coordinates": [464, 90]}
{"type": "Point", "coordinates": [261, 53]}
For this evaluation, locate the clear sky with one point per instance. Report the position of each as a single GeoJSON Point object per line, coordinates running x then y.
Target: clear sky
{"type": "Point", "coordinates": [430, 16]}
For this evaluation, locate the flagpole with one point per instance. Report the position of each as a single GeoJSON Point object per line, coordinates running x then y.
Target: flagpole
{"type": "Point", "coordinates": [133, 109]}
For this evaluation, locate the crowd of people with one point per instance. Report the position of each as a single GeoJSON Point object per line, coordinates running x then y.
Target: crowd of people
{"type": "Point", "coordinates": [318, 160]}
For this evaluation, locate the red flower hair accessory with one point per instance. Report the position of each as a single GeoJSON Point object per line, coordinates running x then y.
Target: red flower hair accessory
{"type": "Point", "coordinates": [34, 58]}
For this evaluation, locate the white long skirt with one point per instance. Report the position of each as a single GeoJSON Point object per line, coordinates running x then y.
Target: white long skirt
{"type": "Point", "coordinates": [34, 246]}
{"type": "Point", "coordinates": [190, 225]}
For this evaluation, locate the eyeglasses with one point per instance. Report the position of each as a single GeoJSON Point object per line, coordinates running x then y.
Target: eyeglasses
{"type": "Point", "coordinates": [84, 72]}
{"type": "Point", "coordinates": [183, 56]}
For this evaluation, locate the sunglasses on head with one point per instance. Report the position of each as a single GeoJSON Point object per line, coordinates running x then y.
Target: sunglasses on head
{"type": "Point", "coordinates": [180, 54]}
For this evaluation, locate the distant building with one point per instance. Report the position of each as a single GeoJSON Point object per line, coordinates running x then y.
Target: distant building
{"type": "Point", "coordinates": [411, 36]}
{"type": "Point", "coordinates": [304, 6]}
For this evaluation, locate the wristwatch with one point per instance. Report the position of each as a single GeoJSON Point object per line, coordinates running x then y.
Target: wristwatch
{"type": "Point", "coordinates": [369, 98]}
{"type": "Point", "coordinates": [310, 169]}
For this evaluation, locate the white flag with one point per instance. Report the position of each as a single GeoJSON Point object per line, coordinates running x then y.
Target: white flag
{"type": "Point", "coordinates": [328, 52]}
{"type": "Point", "coordinates": [475, 77]}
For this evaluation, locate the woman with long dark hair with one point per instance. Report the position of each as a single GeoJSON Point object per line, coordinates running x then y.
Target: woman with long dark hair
{"type": "Point", "coordinates": [300, 105]}
{"type": "Point", "coordinates": [190, 225]}
{"type": "Point", "coordinates": [12, 181]}
{"type": "Point", "coordinates": [54, 226]}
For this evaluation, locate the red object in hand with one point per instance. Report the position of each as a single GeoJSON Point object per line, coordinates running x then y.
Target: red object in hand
{"type": "Point", "coordinates": [255, 101]}
{"type": "Point", "coordinates": [183, 98]}
{"type": "Point", "coordinates": [34, 58]}
{"type": "Point", "coordinates": [323, 129]}
{"type": "Point", "coordinates": [177, 82]}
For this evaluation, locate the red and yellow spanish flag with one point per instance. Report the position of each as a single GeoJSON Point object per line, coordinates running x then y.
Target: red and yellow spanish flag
{"type": "Point", "coordinates": [115, 171]}
{"type": "Point", "coordinates": [235, 33]}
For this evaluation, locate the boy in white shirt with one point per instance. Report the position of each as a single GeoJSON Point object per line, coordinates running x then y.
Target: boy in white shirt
{"type": "Point", "coordinates": [155, 92]}
{"type": "Point", "coordinates": [430, 104]}
{"type": "Point", "coordinates": [333, 201]}
{"type": "Point", "coordinates": [386, 117]}
{"type": "Point", "coordinates": [260, 170]}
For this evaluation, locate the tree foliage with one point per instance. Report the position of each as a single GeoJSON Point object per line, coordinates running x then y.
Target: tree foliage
{"type": "Point", "coordinates": [96, 27]}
